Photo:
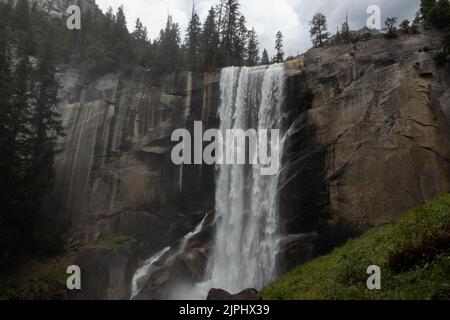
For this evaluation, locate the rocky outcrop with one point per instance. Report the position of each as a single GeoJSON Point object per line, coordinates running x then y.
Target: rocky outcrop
{"type": "Point", "coordinates": [245, 295]}
{"type": "Point", "coordinates": [374, 142]}
{"type": "Point", "coordinates": [387, 151]}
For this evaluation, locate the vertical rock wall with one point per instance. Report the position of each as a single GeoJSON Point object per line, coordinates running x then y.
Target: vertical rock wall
{"type": "Point", "coordinates": [115, 161]}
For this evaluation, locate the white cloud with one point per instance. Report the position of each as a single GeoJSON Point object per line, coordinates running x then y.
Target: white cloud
{"type": "Point", "coordinates": [267, 16]}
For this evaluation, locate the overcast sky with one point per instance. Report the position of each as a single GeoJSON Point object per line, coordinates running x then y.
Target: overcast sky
{"type": "Point", "coordinates": [267, 16]}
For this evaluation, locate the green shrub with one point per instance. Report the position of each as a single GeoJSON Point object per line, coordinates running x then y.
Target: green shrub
{"type": "Point", "coordinates": [413, 254]}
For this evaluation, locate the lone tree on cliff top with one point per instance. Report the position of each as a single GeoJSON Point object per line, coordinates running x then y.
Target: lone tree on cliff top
{"type": "Point", "coordinates": [319, 30]}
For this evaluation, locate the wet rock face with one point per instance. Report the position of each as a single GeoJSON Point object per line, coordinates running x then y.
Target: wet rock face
{"type": "Point", "coordinates": [104, 272]}
{"type": "Point", "coordinates": [382, 113]}
{"type": "Point", "coordinates": [115, 176]}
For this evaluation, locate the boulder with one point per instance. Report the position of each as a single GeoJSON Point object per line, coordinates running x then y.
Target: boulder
{"type": "Point", "coordinates": [245, 295]}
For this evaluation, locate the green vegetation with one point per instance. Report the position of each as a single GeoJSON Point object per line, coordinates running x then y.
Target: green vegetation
{"type": "Point", "coordinates": [405, 26]}
{"type": "Point", "coordinates": [319, 30]}
{"type": "Point", "coordinates": [436, 13]}
{"type": "Point", "coordinates": [391, 29]}
{"type": "Point", "coordinates": [114, 243]}
{"type": "Point", "coordinates": [279, 56]}
{"type": "Point", "coordinates": [104, 43]}
{"type": "Point", "coordinates": [413, 254]}
{"type": "Point", "coordinates": [33, 43]}
{"type": "Point", "coordinates": [29, 129]}
{"type": "Point", "coordinates": [38, 280]}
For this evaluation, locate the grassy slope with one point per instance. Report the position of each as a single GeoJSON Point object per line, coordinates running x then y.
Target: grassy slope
{"type": "Point", "coordinates": [413, 254]}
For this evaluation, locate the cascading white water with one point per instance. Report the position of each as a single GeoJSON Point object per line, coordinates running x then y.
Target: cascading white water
{"type": "Point", "coordinates": [144, 272]}
{"type": "Point", "coordinates": [247, 236]}
{"type": "Point", "coordinates": [148, 267]}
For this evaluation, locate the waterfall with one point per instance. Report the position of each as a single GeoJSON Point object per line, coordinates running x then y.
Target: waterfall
{"type": "Point", "coordinates": [247, 239]}
{"type": "Point", "coordinates": [247, 236]}
{"type": "Point", "coordinates": [143, 273]}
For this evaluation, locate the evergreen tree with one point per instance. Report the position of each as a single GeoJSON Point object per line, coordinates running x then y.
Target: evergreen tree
{"type": "Point", "coordinates": [6, 91]}
{"type": "Point", "coordinates": [121, 42]}
{"type": "Point", "coordinates": [6, 10]}
{"type": "Point", "coordinates": [415, 23]}
{"type": "Point", "coordinates": [439, 14]}
{"type": "Point", "coordinates": [140, 33]}
{"type": "Point", "coordinates": [21, 16]}
{"type": "Point", "coordinates": [240, 52]}
{"type": "Point", "coordinates": [279, 56]}
{"type": "Point", "coordinates": [390, 28]}
{"type": "Point", "coordinates": [21, 25]}
{"type": "Point", "coordinates": [265, 58]}
{"type": "Point", "coordinates": [229, 30]}
{"type": "Point", "coordinates": [209, 41]}
{"type": "Point", "coordinates": [14, 155]}
{"type": "Point", "coordinates": [168, 48]}
{"type": "Point", "coordinates": [142, 46]}
{"type": "Point", "coordinates": [319, 30]}
{"type": "Point", "coordinates": [425, 7]}
{"type": "Point", "coordinates": [345, 32]}
{"type": "Point", "coordinates": [404, 26]}
{"type": "Point", "coordinates": [253, 48]}
{"type": "Point", "coordinates": [338, 37]}
{"type": "Point", "coordinates": [192, 42]}
{"type": "Point", "coordinates": [45, 129]}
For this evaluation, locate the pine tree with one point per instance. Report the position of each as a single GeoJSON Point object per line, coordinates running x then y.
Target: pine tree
{"type": "Point", "coordinates": [142, 46]}
{"type": "Point", "coordinates": [6, 10]}
{"type": "Point", "coordinates": [338, 37]}
{"type": "Point", "coordinates": [192, 42]}
{"type": "Point", "coordinates": [15, 154]}
{"type": "Point", "coordinates": [209, 41]}
{"type": "Point", "coordinates": [140, 33]}
{"type": "Point", "coordinates": [405, 26]}
{"type": "Point", "coordinates": [21, 25]}
{"type": "Point", "coordinates": [45, 130]}
{"type": "Point", "coordinates": [253, 48]}
{"type": "Point", "coordinates": [319, 30]}
{"type": "Point", "coordinates": [21, 16]}
{"type": "Point", "coordinates": [6, 91]}
{"type": "Point", "coordinates": [168, 55]}
{"type": "Point", "coordinates": [345, 31]}
{"type": "Point", "coordinates": [121, 41]}
{"type": "Point", "coordinates": [265, 58]}
{"type": "Point", "coordinates": [425, 7]}
{"type": "Point", "coordinates": [439, 14]}
{"type": "Point", "coordinates": [229, 30]}
{"type": "Point", "coordinates": [416, 22]}
{"type": "Point", "coordinates": [279, 56]}
{"type": "Point", "coordinates": [240, 52]}
{"type": "Point", "coordinates": [390, 27]}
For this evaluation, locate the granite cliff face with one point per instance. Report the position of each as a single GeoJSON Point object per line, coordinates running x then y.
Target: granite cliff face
{"type": "Point", "coordinates": [372, 143]}
{"type": "Point", "coordinates": [115, 177]}
{"type": "Point", "coordinates": [381, 108]}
